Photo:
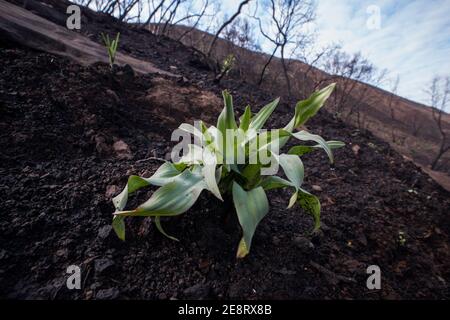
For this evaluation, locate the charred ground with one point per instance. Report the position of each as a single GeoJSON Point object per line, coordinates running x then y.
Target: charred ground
{"type": "Point", "coordinates": [64, 132]}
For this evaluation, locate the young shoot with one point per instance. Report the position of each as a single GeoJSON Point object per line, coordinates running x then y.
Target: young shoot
{"type": "Point", "coordinates": [227, 65]}
{"type": "Point", "coordinates": [111, 47]}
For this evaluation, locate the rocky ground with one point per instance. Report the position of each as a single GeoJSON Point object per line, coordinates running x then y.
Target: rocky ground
{"type": "Point", "coordinates": [71, 135]}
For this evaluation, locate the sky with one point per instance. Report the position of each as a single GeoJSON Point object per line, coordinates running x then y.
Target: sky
{"type": "Point", "coordinates": [412, 41]}
{"type": "Point", "coordinates": [411, 38]}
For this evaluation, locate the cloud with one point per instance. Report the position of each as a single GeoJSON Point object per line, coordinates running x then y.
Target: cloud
{"type": "Point", "coordinates": [413, 41]}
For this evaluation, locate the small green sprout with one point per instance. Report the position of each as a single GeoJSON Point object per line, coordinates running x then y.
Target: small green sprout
{"type": "Point", "coordinates": [233, 161]}
{"type": "Point", "coordinates": [111, 46]}
{"type": "Point", "coordinates": [401, 238]}
{"type": "Point", "coordinates": [227, 65]}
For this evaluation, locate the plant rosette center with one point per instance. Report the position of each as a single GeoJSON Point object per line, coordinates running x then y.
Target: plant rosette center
{"type": "Point", "coordinates": [238, 162]}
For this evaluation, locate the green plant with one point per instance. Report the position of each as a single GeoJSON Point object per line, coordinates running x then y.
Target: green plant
{"type": "Point", "coordinates": [227, 163]}
{"type": "Point", "coordinates": [228, 63]}
{"type": "Point", "coordinates": [111, 47]}
{"type": "Point", "coordinates": [226, 67]}
{"type": "Point", "coordinates": [401, 238]}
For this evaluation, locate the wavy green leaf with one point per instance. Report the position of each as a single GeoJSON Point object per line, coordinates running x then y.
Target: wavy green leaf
{"type": "Point", "coordinates": [305, 109]}
{"type": "Point", "coordinates": [293, 168]}
{"type": "Point", "coordinates": [311, 205]}
{"type": "Point", "coordinates": [302, 150]}
{"type": "Point", "coordinates": [261, 117]}
{"type": "Point", "coordinates": [166, 173]}
{"type": "Point", "coordinates": [118, 225]}
{"type": "Point", "coordinates": [173, 198]}
{"type": "Point", "coordinates": [209, 172]}
{"type": "Point", "coordinates": [274, 182]}
{"type": "Point", "coordinates": [252, 172]}
{"type": "Point", "coordinates": [306, 136]}
{"type": "Point", "coordinates": [134, 183]}
{"type": "Point", "coordinates": [226, 118]}
{"type": "Point", "coordinates": [251, 207]}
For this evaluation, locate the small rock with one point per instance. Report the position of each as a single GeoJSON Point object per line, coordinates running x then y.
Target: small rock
{"type": "Point", "coordinates": [353, 265]}
{"type": "Point", "coordinates": [162, 296]}
{"type": "Point", "coordinates": [89, 295]}
{"type": "Point", "coordinates": [198, 291]}
{"type": "Point", "coordinates": [401, 267]}
{"type": "Point", "coordinates": [62, 252]}
{"type": "Point", "coordinates": [204, 264]}
{"type": "Point", "coordinates": [128, 71]}
{"type": "Point", "coordinates": [111, 191]}
{"type": "Point", "coordinates": [317, 237]}
{"type": "Point", "coordinates": [173, 68]}
{"type": "Point", "coordinates": [90, 133]}
{"type": "Point", "coordinates": [27, 169]}
{"type": "Point", "coordinates": [145, 227]}
{"type": "Point", "coordinates": [95, 285]}
{"type": "Point", "coordinates": [104, 231]}
{"type": "Point", "coordinates": [107, 294]}
{"type": "Point", "coordinates": [20, 137]}
{"type": "Point", "coordinates": [113, 95]}
{"type": "Point", "coordinates": [122, 150]}
{"type": "Point", "coordinates": [303, 243]}
{"type": "Point", "coordinates": [324, 227]}
{"type": "Point", "coordinates": [356, 149]}
{"type": "Point", "coordinates": [102, 265]}
{"type": "Point", "coordinates": [362, 239]}
{"type": "Point", "coordinates": [115, 68]}
{"type": "Point", "coordinates": [90, 120]}
{"type": "Point", "coordinates": [101, 146]}
{"type": "Point", "coordinates": [287, 272]}
{"type": "Point", "coordinates": [3, 254]}
{"type": "Point", "coordinates": [125, 74]}
{"type": "Point", "coordinates": [235, 290]}
{"type": "Point", "coordinates": [442, 280]}
{"type": "Point", "coordinates": [317, 188]}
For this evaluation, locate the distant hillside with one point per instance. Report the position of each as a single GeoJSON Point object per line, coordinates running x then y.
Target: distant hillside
{"type": "Point", "coordinates": [412, 131]}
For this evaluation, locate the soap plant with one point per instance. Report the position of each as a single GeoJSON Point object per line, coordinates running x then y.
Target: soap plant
{"type": "Point", "coordinates": [111, 47]}
{"type": "Point", "coordinates": [225, 163]}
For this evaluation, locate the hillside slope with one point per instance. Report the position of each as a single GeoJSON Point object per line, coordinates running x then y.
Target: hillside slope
{"type": "Point", "coordinates": [409, 116]}
{"type": "Point", "coordinates": [72, 134]}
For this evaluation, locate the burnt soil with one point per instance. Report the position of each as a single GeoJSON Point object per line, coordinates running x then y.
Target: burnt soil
{"type": "Point", "coordinates": [59, 169]}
